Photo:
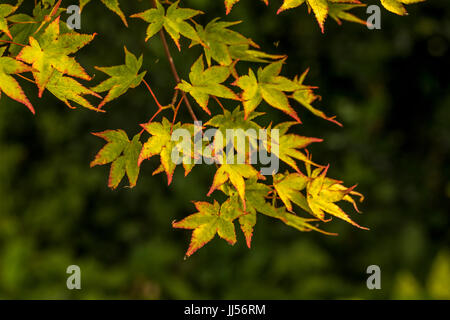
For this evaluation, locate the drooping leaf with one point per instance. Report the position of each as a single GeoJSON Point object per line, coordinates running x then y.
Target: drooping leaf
{"type": "Point", "coordinates": [8, 85]}
{"type": "Point", "coordinates": [206, 83]}
{"type": "Point", "coordinates": [339, 11]}
{"type": "Point", "coordinates": [122, 154]}
{"type": "Point", "coordinates": [112, 5]}
{"type": "Point", "coordinates": [322, 193]}
{"type": "Point", "coordinates": [51, 52]}
{"type": "Point", "coordinates": [122, 78]}
{"type": "Point", "coordinates": [397, 6]}
{"type": "Point", "coordinates": [211, 219]}
{"type": "Point", "coordinates": [67, 88]}
{"type": "Point", "coordinates": [305, 96]}
{"type": "Point", "coordinates": [173, 21]}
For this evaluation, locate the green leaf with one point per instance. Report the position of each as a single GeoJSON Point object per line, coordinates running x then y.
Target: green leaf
{"type": "Point", "coordinates": [8, 84]}
{"type": "Point", "coordinates": [173, 21]}
{"type": "Point", "coordinates": [67, 88]}
{"type": "Point", "coordinates": [268, 85]}
{"type": "Point", "coordinates": [235, 173]}
{"type": "Point", "coordinates": [322, 193]}
{"type": "Point", "coordinates": [320, 9]}
{"type": "Point", "coordinates": [206, 83]}
{"type": "Point", "coordinates": [338, 11]}
{"type": "Point", "coordinates": [288, 146]}
{"type": "Point", "coordinates": [160, 143]}
{"type": "Point", "coordinates": [211, 219]}
{"type": "Point", "coordinates": [5, 11]}
{"type": "Point", "coordinates": [288, 188]}
{"type": "Point", "coordinates": [397, 7]}
{"type": "Point", "coordinates": [51, 52]}
{"type": "Point", "coordinates": [217, 41]}
{"type": "Point", "coordinates": [289, 4]}
{"type": "Point", "coordinates": [305, 96]}
{"type": "Point", "coordinates": [229, 4]}
{"type": "Point", "coordinates": [122, 78]}
{"type": "Point", "coordinates": [122, 154]}
{"type": "Point", "coordinates": [112, 5]}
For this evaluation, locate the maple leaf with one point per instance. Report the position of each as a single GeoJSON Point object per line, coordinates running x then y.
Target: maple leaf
{"type": "Point", "coordinates": [122, 77]}
{"type": "Point", "coordinates": [5, 11]}
{"type": "Point", "coordinates": [322, 193]}
{"type": "Point", "coordinates": [67, 88]}
{"type": "Point", "coordinates": [267, 85]}
{"type": "Point", "coordinates": [255, 197]}
{"type": "Point", "coordinates": [235, 121]}
{"type": "Point", "coordinates": [112, 5]}
{"type": "Point", "coordinates": [8, 84]}
{"type": "Point", "coordinates": [173, 21]}
{"type": "Point", "coordinates": [338, 11]}
{"type": "Point", "coordinates": [305, 96]}
{"type": "Point", "coordinates": [211, 219]}
{"type": "Point", "coordinates": [320, 9]}
{"type": "Point", "coordinates": [122, 154]}
{"type": "Point", "coordinates": [205, 83]}
{"type": "Point", "coordinates": [229, 4]}
{"type": "Point", "coordinates": [288, 145]}
{"type": "Point", "coordinates": [397, 6]}
{"type": "Point", "coordinates": [235, 173]}
{"type": "Point", "coordinates": [51, 52]}
{"type": "Point", "coordinates": [160, 143]}
{"type": "Point", "coordinates": [290, 4]}
{"type": "Point", "coordinates": [288, 187]}
{"type": "Point", "coordinates": [216, 39]}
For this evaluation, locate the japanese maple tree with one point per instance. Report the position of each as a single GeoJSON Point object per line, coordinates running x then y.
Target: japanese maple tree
{"type": "Point", "coordinates": [42, 46]}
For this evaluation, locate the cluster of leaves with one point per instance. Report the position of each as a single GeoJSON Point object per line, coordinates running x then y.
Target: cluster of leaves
{"type": "Point", "coordinates": [43, 45]}
{"type": "Point", "coordinates": [336, 9]}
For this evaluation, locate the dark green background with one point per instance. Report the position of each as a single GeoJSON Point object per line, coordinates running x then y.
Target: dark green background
{"type": "Point", "coordinates": [390, 89]}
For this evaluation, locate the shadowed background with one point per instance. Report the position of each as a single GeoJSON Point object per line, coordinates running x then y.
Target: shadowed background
{"type": "Point", "coordinates": [390, 89]}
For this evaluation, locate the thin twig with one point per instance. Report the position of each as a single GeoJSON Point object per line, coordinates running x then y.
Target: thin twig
{"type": "Point", "coordinates": [152, 93]}
{"type": "Point", "coordinates": [174, 69]}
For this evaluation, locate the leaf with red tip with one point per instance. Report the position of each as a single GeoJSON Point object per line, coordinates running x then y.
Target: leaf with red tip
{"type": "Point", "coordinates": [5, 11]}
{"type": "Point", "coordinates": [211, 219]}
{"type": "Point", "coordinates": [172, 19]}
{"type": "Point", "coordinates": [323, 192]}
{"type": "Point", "coordinates": [397, 6]}
{"type": "Point", "coordinates": [287, 146]}
{"type": "Point", "coordinates": [320, 9]}
{"type": "Point", "coordinates": [235, 173]}
{"type": "Point", "coordinates": [289, 4]}
{"type": "Point", "coordinates": [305, 96]}
{"type": "Point", "coordinates": [206, 83]}
{"type": "Point", "coordinates": [161, 143]}
{"type": "Point", "coordinates": [122, 78]}
{"type": "Point", "coordinates": [8, 84]}
{"type": "Point", "coordinates": [269, 86]}
{"type": "Point", "coordinates": [122, 154]}
{"type": "Point", "coordinates": [51, 52]}
{"type": "Point", "coordinates": [229, 4]}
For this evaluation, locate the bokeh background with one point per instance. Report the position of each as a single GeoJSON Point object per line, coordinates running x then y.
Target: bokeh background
{"type": "Point", "coordinates": [390, 89]}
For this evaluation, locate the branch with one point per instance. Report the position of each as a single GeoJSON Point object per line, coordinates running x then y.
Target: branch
{"type": "Point", "coordinates": [174, 69]}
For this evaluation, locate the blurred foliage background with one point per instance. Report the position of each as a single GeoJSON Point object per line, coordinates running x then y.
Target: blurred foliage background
{"type": "Point", "coordinates": [390, 89]}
